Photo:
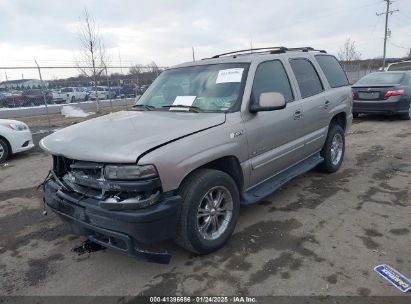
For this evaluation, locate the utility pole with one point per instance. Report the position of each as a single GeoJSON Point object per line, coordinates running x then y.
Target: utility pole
{"type": "Point", "coordinates": [194, 57]}
{"type": "Point", "coordinates": [386, 28]}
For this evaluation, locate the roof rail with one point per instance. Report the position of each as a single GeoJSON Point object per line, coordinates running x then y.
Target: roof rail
{"type": "Point", "coordinates": [270, 50]}
{"type": "Point", "coordinates": [251, 51]}
{"type": "Point", "coordinates": [306, 49]}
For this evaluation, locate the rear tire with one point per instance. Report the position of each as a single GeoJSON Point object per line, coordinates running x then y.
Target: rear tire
{"type": "Point", "coordinates": [73, 99]}
{"type": "Point", "coordinates": [407, 116]}
{"type": "Point", "coordinates": [203, 225]}
{"type": "Point", "coordinates": [333, 150]}
{"type": "Point", "coordinates": [4, 150]}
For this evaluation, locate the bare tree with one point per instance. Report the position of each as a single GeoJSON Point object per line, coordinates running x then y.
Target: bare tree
{"type": "Point", "coordinates": [144, 75]}
{"type": "Point", "coordinates": [349, 53]}
{"type": "Point", "coordinates": [93, 57]}
{"type": "Point", "coordinates": [154, 68]}
{"type": "Point", "coordinates": [137, 69]}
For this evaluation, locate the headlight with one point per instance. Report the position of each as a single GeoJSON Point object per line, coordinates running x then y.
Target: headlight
{"type": "Point", "coordinates": [129, 172]}
{"type": "Point", "coordinates": [16, 126]}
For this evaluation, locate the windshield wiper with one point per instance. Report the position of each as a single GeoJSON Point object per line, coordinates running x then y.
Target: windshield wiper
{"type": "Point", "coordinates": [193, 108]}
{"type": "Point", "coordinates": [143, 106]}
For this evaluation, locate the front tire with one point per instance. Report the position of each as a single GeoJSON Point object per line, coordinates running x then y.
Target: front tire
{"type": "Point", "coordinates": [333, 150]}
{"type": "Point", "coordinates": [4, 151]}
{"type": "Point", "coordinates": [209, 212]}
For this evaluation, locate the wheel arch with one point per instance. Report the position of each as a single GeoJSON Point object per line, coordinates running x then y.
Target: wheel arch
{"type": "Point", "coordinates": [7, 143]}
{"type": "Point", "coordinates": [340, 119]}
{"type": "Point", "coordinates": [228, 164]}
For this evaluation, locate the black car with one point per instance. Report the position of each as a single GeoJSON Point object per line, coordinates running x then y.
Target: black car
{"type": "Point", "coordinates": [383, 92]}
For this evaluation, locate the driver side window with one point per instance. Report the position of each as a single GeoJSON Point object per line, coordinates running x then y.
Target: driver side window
{"type": "Point", "coordinates": [271, 77]}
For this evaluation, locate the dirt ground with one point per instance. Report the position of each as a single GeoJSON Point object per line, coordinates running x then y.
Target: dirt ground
{"type": "Point", "coordinates": [319, 235]}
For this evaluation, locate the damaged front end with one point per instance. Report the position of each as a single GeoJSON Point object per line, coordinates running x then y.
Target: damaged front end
{"type": "Point", "coordinates": [121, 207]}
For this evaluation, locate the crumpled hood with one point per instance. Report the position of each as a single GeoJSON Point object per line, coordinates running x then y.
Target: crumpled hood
{"type": "Point", "coordinates": [122, 137]}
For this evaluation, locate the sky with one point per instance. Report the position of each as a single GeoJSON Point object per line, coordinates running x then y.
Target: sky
{"type": "Point", "coordinates": [139, 32]}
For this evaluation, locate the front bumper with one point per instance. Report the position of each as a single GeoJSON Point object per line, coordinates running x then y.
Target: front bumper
{"type": "Point", "coordinates": [381, 106]}
{"type": "Point", "coordinates": [21, 141]}
{"type": "Point", "coordinates": [125, 231]}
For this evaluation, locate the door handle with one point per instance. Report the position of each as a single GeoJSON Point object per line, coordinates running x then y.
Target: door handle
{"type": "Point", "coordinates": [326, 104]}
{"type": "Point", "coordinates": [298, 114]}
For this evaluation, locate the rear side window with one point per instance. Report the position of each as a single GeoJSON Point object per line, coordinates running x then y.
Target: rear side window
{"type": "Point", "coordinates": [272, 77]}
{"type": "Point", "coordinates": [332, 70]}
{"type": "Point", "coordinates": [308, 80]}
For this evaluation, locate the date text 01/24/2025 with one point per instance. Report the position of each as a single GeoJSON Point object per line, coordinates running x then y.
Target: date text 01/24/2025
{"type": "Point", "coordinates": [203, 299]}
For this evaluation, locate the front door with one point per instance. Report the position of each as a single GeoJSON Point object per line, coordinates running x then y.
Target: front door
{"type": "Point", "coordinates": [275, 138]}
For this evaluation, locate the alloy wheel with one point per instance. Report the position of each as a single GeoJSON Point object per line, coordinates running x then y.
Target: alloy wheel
{"type": "Point", "coordinates": [337, 146]}
{"type": "Point", "coordinates": [214, 213]}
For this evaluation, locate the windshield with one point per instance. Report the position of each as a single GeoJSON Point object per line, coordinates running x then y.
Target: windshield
{"type": "Point", "coordinates": [208, 88]}
{"type": "Point", "coordinates": [380, 78]}
{"type": "Point", "coordinates": [65, 90]}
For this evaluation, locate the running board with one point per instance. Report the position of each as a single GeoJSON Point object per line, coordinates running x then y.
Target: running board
{"type": "Point", "coordinates": [271, 185]}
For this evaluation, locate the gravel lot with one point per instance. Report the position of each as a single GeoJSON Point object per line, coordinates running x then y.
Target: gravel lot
{"type": "Point", "coordinates": [319, 235]}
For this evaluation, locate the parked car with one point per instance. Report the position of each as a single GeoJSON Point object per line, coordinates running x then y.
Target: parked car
{"type": "Point", "coordinates": [400, 66]}
{"type": "Point", "coordinates": [129, 90]}
{"type": "Point", "coordinates": [87, 90]}
{"type": "Point", "coordinates": [384, 93]}
{"type": "Point", "coordinates": [27, 98]}
{"type": "Point", "coordinates": [34, 97]}
{"type": "Point", "coordinates": [102, 93]}
{"type": "Point", "coordinates": [58, 97]}
{"type": "Point", "coordinates": [116, 92]}
{"type": "Point", "coordinates": [14, 99]}
{"type": "Point", "coordinates": [15, 137]}
{"type": "Point", "coordinates": [142, 88]}
{"type": "Point", "coordinates": [205, 137]}
{"type": "Point", "coordinates": [73, 94]}
{"type": "Point", "coordinates": [3, 99]}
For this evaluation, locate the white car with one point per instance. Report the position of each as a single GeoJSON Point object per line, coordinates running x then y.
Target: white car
{"type": "Point", "coordinates": [15, 137]}
{"type": "Point", "coordinates": [73, 94]}
{"type": "Point", "coordinates": [58, 97]}
{"type": "Point", "coordinates": [102, 93]}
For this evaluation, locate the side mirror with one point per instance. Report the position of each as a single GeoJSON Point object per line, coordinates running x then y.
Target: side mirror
{"type": "Point", "coordinates": [269, 101]}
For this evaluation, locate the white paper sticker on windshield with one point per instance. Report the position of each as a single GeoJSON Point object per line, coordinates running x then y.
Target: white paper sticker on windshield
{"type": "Point", "coordinates": [183, 101]}
{"type": "Point", "coordinates": [229, 75]}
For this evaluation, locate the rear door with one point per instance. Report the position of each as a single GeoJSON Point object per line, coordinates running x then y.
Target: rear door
{"type": "Point", "coordinates": [315, 102]}
{"type": "Point", "coordinates": [275, 138]}
{"type": "Point", "coordinates": [337, 94]}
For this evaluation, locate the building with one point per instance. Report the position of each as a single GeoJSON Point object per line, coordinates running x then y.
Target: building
{"type": "Point", "coordinates": [22, 84]}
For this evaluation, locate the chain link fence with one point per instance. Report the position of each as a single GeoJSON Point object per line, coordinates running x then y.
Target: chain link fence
{"type": "Point", "coordinates": [110, 85]}
{"type": "Point", "coordinates": [355, 70]}
{"type": "Point", "coordinates": [50, 99]}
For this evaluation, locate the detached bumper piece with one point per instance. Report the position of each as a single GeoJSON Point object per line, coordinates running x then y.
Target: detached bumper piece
{"type": "Point", "coordinates": [127, 231]}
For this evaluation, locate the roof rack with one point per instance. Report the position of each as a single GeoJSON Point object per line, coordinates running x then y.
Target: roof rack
{"type": "Point", "coordinates": [269, 50]}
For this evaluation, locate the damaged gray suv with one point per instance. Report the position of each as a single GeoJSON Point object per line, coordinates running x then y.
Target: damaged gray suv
{"type": "Point", "coordinates": [205, 138]}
